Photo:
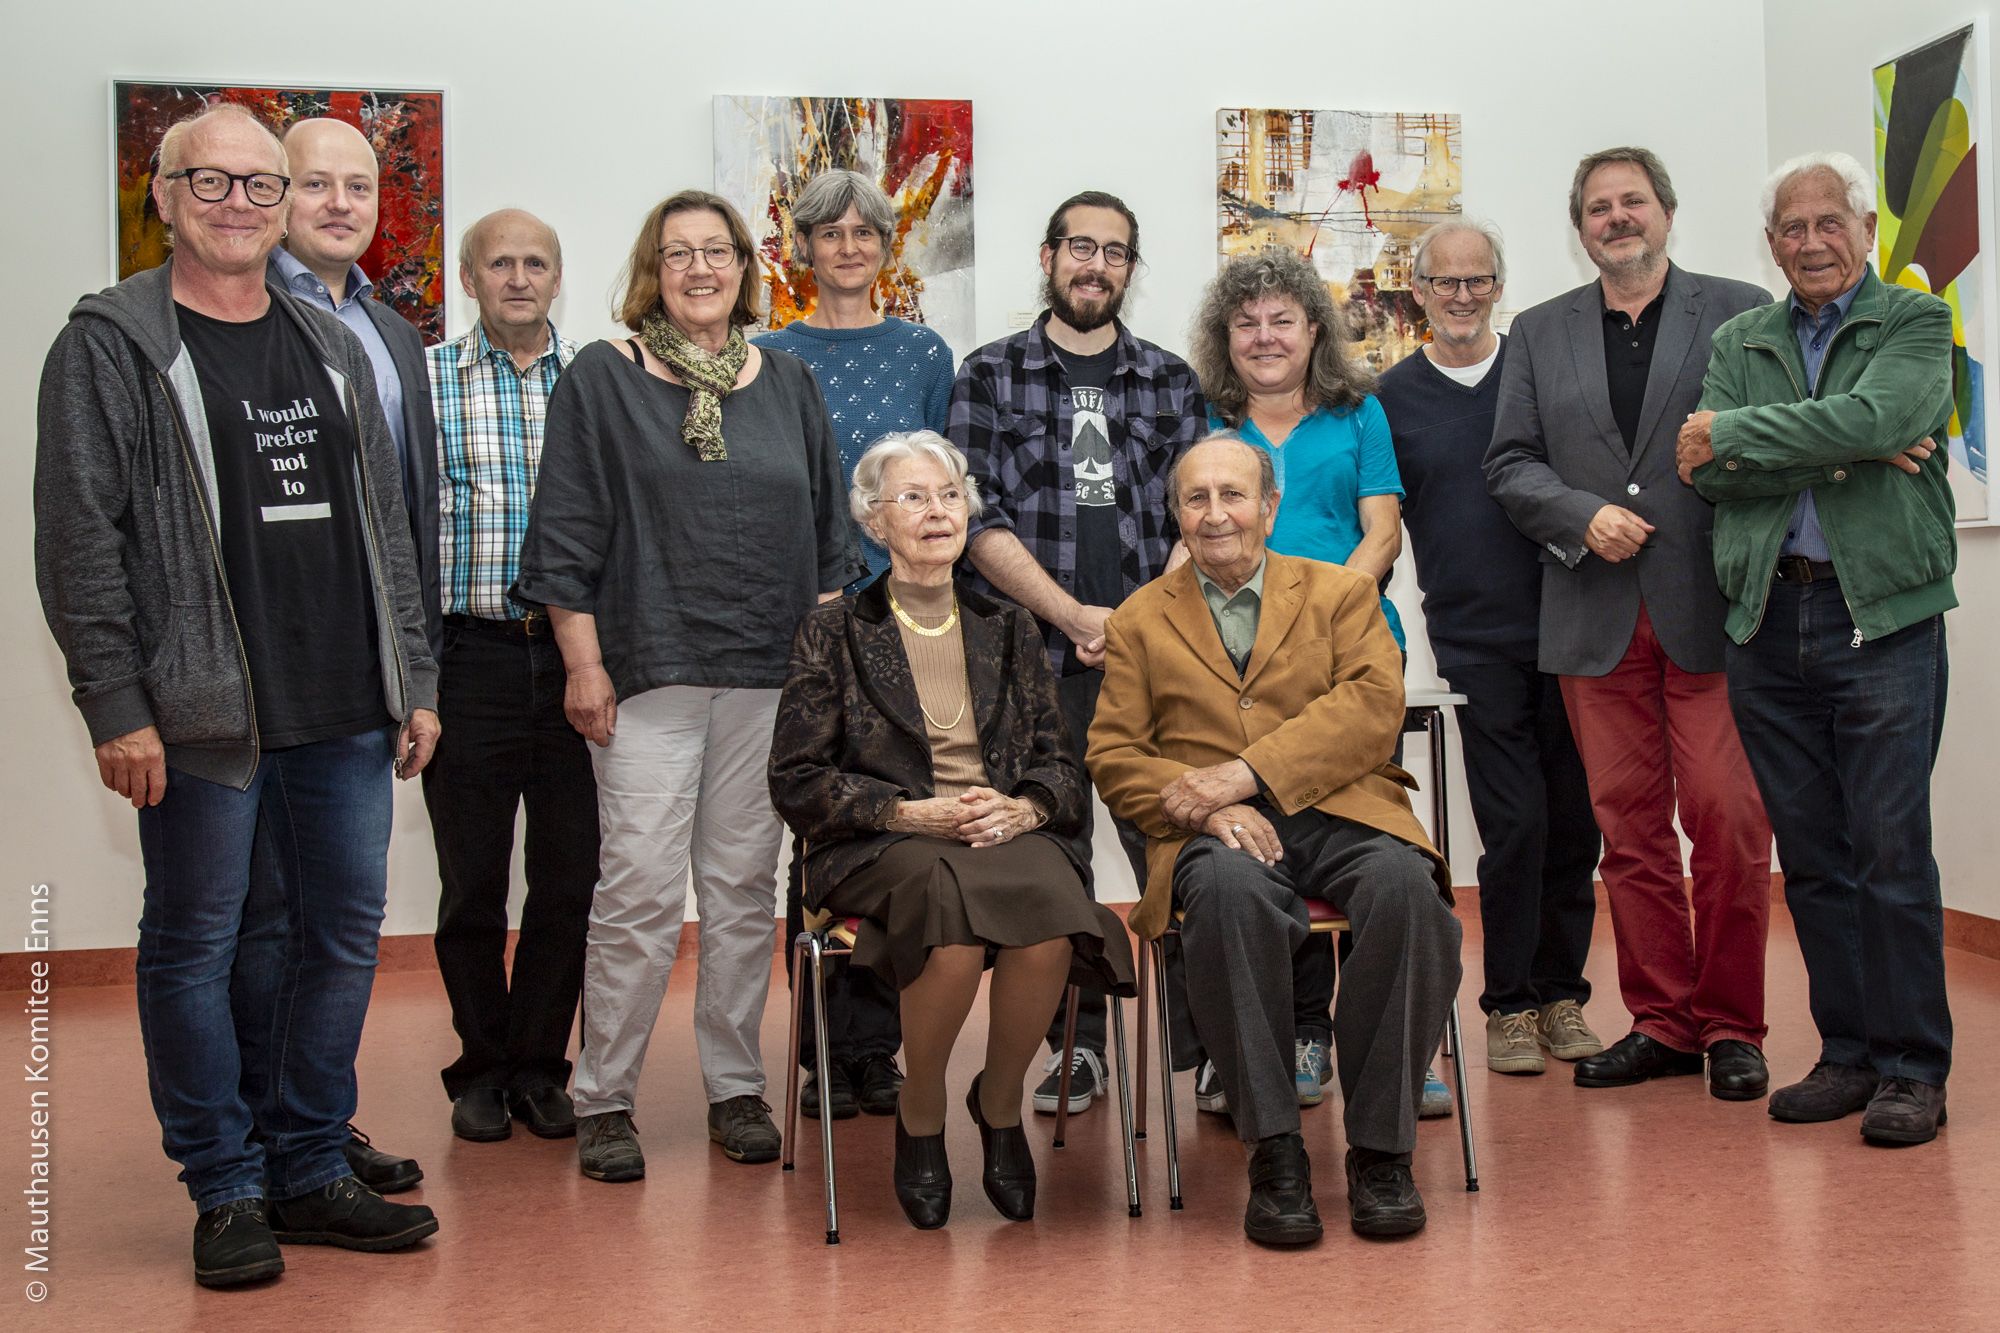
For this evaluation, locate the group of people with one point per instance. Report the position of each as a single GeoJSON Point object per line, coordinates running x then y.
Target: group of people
{"type": "Point", "coordinates": [1677, 544]}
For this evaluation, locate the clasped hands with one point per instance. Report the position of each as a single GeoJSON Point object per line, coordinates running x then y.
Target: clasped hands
{"type": "Point", "coordinates": [978, 817]}
{"type": "Point", "coordinates": [1211, 800]}
{"type": "Point", "coordinates": [1696, 446]}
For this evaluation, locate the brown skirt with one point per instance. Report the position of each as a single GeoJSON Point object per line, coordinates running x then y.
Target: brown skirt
{"type": "Point", "coordinates": [925, 892]}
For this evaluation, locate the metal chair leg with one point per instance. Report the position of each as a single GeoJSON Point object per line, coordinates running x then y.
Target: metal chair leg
{"type": "Point", "coordinates": [1068, 1064]}
{"type": "Point", "coordinates": [1117, 1007]}
{"type": "Point", "coordinates": [1464, 1102]}
{"type": "Point", "coordinates": [1167, 1078]}
{"type": "Point", "coordinates": [814, 948]}
{"type": "Point", "coordinates": [792, 1063]}
{"type": "Point", "coordinates": [1139, 1083]}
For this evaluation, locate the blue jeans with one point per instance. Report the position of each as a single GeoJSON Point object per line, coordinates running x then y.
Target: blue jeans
{"type": "Point", "coordinates": [256, 956]}
{"type": "Point", "coordinates": [1842, 738]}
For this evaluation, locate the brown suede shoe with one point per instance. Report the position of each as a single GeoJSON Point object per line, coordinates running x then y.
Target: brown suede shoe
{"type": "Point", "coordinates": [1903, 1111]}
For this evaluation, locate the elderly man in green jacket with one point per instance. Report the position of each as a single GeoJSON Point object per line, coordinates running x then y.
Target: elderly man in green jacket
{"type": "Point", "coordinates": [1834, 545]}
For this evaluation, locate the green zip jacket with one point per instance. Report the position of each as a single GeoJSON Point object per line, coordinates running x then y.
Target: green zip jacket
{"type": "Point", "coordinates": [1884, 385]}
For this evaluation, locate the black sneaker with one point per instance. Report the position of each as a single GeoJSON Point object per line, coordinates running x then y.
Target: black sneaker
{"type": "Point", "coordinates": [385, 1173]}
{"type": "Point", "coordinates": [1281, 1209]}
{"type": "Point", "coordinates": [349, 1214]}
{"type": "Point", "coordinates": [1086, 1081]}
{"type": "Point", "coordinates": [840, 1090]}
{"type": "Point", "coordinates": [1382, 1198]}
{"type": "Point", "coordinates": [880, 1082]}
{"type": "Point", "coordinates": [742, 1125]}
{"type": "Point", "coordinates": [233, 1245]}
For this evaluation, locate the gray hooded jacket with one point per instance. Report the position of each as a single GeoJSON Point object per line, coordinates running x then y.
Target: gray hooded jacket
{"type": "Point", "coordinates": [127, 554]}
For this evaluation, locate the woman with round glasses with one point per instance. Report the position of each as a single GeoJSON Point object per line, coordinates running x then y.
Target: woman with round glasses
{"type": "Point", "coordinates": [920, 755]}
{"type": "Point", "coordinates": [689, 509]}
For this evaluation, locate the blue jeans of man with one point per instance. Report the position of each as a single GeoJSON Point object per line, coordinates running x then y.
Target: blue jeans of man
{"type": "Point", "coordinates": [1842, 737]}
{"type": "Point", "coordinates": [257, 943]}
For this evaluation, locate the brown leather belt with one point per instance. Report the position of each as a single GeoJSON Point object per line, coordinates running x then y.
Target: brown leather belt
{"type": "Point", "coordinates": [535, 626]}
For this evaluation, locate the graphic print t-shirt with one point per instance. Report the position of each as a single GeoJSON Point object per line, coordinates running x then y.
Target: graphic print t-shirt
{"type": "Point", "coordinates": [291, 528]}
{"type": "Point", "coordinates": [1099, 581]}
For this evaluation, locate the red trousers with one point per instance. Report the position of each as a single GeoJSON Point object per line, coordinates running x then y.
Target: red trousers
{"type": "Point", "coordinates": [1653, 736]}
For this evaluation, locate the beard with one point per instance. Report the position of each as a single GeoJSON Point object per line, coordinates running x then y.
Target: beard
{"type": "Point", "coordinates": [1082, 320]}
{"type": "Point", "coordinates": [1646, 259]}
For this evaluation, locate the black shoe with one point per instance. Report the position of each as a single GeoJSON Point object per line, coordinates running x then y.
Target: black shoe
{"type": "Point", "coordinates": [349, 1214]}
{"type": "Point", "coordinates": [233, 1245]}
{"type": "Point", "coordinates": [1382, 1198]}
{"type": "Point", "coordinates": [1281, 1209]}
{"type": "Point", "coordinates": [1634, 1058]}
{"type": "Point", "coordinates": [1009, 1171]}
{"type": "Point", "coordinates": [742, 1126]}
{"type": "Point", "coordinates": [841, 1090]}
{"type": "Point", "coordinates": [880, 1081]}
{"type": "Point", "coordinates": [1903, 1111]}
{"type": "Point", "coordinates": [547, 1112]}
{"type": "Point", "coordinates": [923, 1178]}
{"type": "Point", "coordinates": [1829, 1092]}
{"type": "Point", "coordinates": [379, 1171]}
{"type": "Point", "coordinates": [1737, 1072]}
{"type": "Point", "coordinates": [479, 1115]}
{"type": "Point", "coordinates": [607, 1147]}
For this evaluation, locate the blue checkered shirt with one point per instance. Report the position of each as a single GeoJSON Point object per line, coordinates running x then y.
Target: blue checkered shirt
{"type": "Point", "coordinates": [1010, 413]}
{"type": "Point", "coordinates": [489, 444]}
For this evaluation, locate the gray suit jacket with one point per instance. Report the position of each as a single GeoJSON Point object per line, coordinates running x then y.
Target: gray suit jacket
{"type": "Point", "coordinates": [1557, 458]}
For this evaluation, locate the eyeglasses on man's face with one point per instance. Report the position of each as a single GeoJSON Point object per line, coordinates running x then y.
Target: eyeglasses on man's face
{"type": "Point", "coordinates": [914, 501]}
{"type": "Point", "coordinates": [1479, 284]}
{"type": "Point", "coordinates": [1081, 248]}
{"type": "Point", "coordinates": [212, 185]}
{"type": "Point", "coordinates": [679, 257]}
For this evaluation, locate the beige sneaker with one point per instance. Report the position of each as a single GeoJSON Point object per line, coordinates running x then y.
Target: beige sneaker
{"type": "Point", "coordinates": [1564, 1032]}
{"type": "Point", "coordinates": [1511, 1047]}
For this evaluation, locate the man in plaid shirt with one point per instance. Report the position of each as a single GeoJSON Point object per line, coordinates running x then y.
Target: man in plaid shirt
{"type": "Point", "coordinates": [501, 685]}
{"type": "Point", "coordinates": [1070, 426]}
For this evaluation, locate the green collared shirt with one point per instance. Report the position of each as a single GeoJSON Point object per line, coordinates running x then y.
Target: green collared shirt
{"type": "Point", "coordinates": [1235, 615]}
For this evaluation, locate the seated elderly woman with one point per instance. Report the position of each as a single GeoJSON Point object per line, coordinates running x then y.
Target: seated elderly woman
{"type": "Point", "coordinates": [920, 754]}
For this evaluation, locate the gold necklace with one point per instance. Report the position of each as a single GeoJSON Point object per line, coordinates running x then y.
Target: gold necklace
{"type": "Point", "coordinates": [915, 628]}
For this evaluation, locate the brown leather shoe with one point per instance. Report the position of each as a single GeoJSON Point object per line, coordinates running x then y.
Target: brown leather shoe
{"type": "Point", "coordinates": [1903, 1111]}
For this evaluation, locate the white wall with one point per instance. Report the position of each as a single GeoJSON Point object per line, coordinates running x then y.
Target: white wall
{"type": "Point", "coordinates": [587, 114]}
{"type": "Point", "coordinates": [1817, 71]}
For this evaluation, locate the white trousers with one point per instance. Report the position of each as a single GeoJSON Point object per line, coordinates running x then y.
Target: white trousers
{"type": "Point", "coordinates": [682, 783]}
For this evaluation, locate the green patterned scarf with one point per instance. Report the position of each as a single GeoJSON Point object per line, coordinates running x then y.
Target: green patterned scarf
{"type": "Point", "coordinates": [709, 379]}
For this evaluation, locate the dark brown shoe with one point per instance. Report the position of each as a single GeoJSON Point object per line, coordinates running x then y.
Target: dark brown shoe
{"type": "Point", "coordinates": [1903, 1112]}
{"type": "Point", "coordinates": [1829, 1092]}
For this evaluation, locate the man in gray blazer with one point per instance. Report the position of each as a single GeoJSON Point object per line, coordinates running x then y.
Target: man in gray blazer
{"type": "Point", "coordinates": [1594, 390]}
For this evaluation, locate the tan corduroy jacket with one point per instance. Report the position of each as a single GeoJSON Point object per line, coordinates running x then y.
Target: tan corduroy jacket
{"type": "Point", "coordinates": [1315, 713]}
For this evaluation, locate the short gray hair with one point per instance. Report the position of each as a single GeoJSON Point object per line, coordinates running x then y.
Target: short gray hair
{"type": "Point", "coordinates": [1643, 158]}
{"type": "Point", "coordinates": [827, 197]}
{"type": "Point", "coordinates": [1478, 226]}
{"type": "Point", "coordinates": [919, 444]}
{"type": "Point", "coordinates": [1267, 471]}
{"type": "Point", "coordinates": [1853, 178]}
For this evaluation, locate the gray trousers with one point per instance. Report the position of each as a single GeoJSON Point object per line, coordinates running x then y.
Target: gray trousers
{"type": "Point", "coordinates": [1243, 922]}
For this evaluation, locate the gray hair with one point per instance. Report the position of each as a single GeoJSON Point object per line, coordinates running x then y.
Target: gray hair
{"type": "Point", "coordinates": [1267, 472]}
{"type": "Point", "coordinates": [827, 197]}
{"type": "Point", "coordinates": [1478, 226]}
{"type": "Point", "coordinates": [1643, 158]}
{"type": "Point", "coordinates": [917, 444]}
{"type": "Point", "coordinates": [1853, 177]}
{"type": "Point", "coordinates": [1334, 379]}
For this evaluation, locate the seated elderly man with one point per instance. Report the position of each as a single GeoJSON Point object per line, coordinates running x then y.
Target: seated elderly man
{"type": "Point", "coordinates": [1251, 702]}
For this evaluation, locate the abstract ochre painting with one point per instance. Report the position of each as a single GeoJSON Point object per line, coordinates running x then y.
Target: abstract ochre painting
{"type": "Point", "coordinates": [918, 151]}
{"type": "Point", "coordinates": [1928, 189]}
{"type": "Point", "coordinates": [406, 261]}
{"type": "Point", "coordinates": [1350, 190]}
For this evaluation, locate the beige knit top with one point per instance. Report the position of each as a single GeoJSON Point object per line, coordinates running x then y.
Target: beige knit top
{"type": "Point", "coordinates": [938, 664]}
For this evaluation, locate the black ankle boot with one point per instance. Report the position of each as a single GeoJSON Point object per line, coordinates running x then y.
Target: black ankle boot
{"type": "Point", "coordinates": [1009, 1174]}
{"type": "Point", "coordinates": [923, 1178]}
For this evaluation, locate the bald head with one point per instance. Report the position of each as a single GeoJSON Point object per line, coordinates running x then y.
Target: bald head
{"type": "Point", "coordinates": [334, 198]}
{"type": "Point", "coordinates": [511, 263]}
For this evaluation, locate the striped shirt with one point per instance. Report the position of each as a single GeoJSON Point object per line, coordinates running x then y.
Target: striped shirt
{"type": "Point", "coordinates": [490, 418]}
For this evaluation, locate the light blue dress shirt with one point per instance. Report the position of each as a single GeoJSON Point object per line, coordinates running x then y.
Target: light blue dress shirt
{"type": "Point", "coordinates": [1803, 536]}
{"type": "Point", "coordinates": [305, 285]}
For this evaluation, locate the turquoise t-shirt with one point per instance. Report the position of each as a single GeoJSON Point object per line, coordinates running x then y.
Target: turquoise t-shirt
{"type": "Point", "coordinates": [1332, 458]}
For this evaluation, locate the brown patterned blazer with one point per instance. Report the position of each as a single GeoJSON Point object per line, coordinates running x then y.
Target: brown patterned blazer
{"type": "Point", "coordinates": [850, 737]}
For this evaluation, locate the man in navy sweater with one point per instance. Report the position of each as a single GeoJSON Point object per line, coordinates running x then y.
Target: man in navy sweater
{"type": "Point", "coordinates": [1481, 581]}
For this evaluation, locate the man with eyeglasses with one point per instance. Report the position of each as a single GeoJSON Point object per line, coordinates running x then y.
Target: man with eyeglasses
{"type": "Point", "coordinates": [223, 557]}
{"type": "Point", "coordinates": [1070, 426]}
{"type": "Point", "coordinates": [1595, 387]}
{"type": "Point", "coordinates": [1481, 582]}
{"type": "Point", "coordinates": [333, 207]}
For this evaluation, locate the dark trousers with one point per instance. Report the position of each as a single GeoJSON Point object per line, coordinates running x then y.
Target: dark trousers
{"type": "Point", "coordinates": [1842, 737]}
{"type": "Point", "coordinates": [1243, 923]}
{"type": "Point", "coordinates": [506, 743]}
{"type": "Point", "coordinates": [863, 1018]}
{"type": "Point", "coordinates": [1532, 805]}
{"type": "Point", "coordinates": [1077, 696]}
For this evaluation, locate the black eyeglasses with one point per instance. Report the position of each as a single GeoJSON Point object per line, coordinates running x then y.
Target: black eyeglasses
{"type": "Point", "coordinates": [1477, 285]}
{"type": "Point", "coordinates": [679, 257]}
{"type": "Point", "coordinates": [212, 185]}
{"type": "Point", "coordinates": [1081, 248]}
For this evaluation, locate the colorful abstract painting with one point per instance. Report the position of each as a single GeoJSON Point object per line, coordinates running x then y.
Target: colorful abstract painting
{"type": "Point", "coordinates": [1350, 190]}
{"type": "Point", "coordinates": [919, 152]}
{"type": "Point", "coordinates": [406, 128]}
{"type": "Point", "coordinates": [1928, 128]}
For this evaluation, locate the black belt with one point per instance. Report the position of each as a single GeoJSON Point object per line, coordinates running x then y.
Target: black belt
{"type": "Point", "coordinates": [1798, 569]}
{"type": "Point", "coordinates": [535, 627]}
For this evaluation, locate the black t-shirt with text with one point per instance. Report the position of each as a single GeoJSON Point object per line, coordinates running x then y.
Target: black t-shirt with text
{"type": "Point", "coordinates": [292, 545]}
{"type": "Point", "coordinates": [1099, 554]}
